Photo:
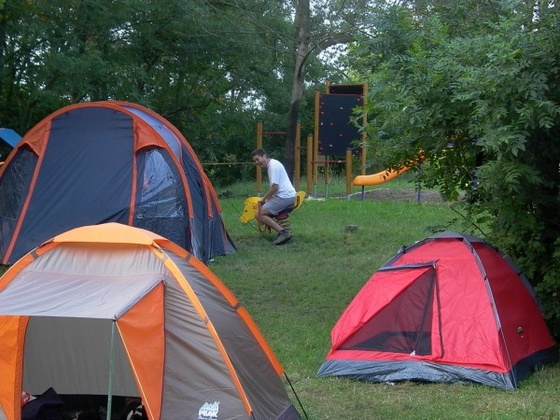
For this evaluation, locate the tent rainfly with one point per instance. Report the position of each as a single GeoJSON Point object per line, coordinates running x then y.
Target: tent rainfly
{"type": "Point", "coordinates": [101, 162]}
{"type": "Point", "coordinates": [120, 311]}
{"type": "Point", "coordinates": [449, 308]}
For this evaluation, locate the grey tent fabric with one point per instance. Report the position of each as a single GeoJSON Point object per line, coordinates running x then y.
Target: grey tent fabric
{"type": "Point", "coordinates": [169, 310]}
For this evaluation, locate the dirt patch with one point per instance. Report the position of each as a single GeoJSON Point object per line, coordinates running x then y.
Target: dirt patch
{"type": "Point", "coordinates": [395, 194]}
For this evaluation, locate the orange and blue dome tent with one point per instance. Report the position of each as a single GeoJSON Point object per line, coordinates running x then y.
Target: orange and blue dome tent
{"type": "Point", "coordinates": [109, 161]}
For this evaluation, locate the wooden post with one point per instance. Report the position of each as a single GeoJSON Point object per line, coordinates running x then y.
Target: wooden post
{"type": "Point", "coordinates": [364, 137]}
{"type": "Point", "coordinates": [259, 146]}
{"type": "Point", "coordinates": [316, 136]}
{"type": "Point", "coordinates": [297, 157]}
{"type": "Point", "coordinates": [309, 164]}
{"type": "Point", "coordinates": [326, 174]}
{"type": "Point", "coordinates": [348, 171]}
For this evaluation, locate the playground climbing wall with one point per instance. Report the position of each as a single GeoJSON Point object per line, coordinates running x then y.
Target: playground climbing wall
{"type": "Point", "coordinates": [334, 111]}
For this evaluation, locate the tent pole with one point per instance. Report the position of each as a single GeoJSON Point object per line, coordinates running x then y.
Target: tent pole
{"type": "Point", "coordinates": [111, 365]}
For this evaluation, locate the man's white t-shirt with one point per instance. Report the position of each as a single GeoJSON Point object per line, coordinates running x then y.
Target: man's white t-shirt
{"type": "Point", "coordinates": [277, 175]}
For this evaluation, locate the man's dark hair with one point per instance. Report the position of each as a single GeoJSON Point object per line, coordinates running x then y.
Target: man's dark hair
{"type": "Point", "coordinates": [259, 152]}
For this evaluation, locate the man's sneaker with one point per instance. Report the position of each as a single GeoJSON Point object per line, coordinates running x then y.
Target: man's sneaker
{"type": "Point", "coordinates": [283, 236]}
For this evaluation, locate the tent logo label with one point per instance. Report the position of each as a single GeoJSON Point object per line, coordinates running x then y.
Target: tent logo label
{"type": "Point", "coordinates": [209, 411]}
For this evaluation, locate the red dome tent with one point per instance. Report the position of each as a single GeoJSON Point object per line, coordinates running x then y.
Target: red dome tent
{"type": "Point", "coordinates": [449, 308]}
{"type": "Point", "coordinates": [110, 161]}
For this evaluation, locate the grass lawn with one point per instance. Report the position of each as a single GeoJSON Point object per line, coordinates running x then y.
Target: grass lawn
{"type": "Point", "coordinates": [296, 292]}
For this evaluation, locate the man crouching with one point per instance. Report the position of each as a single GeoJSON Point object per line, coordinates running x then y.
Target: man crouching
{"type": "Point", "coordinates": [279, 196]}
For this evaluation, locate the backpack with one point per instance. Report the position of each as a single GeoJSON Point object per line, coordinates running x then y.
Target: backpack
{"type": "Point", "coordinates": [47, 406]}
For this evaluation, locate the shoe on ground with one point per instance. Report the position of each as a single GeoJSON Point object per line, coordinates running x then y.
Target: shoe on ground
{"type": "Point", "coordinates": [283, 237]}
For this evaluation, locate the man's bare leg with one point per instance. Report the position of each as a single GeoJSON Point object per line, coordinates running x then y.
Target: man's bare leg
{"type": "Point", "coordinates": [267, 220]}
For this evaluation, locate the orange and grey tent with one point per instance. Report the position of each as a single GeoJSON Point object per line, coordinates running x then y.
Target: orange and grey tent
{"type": "Point", "coordinates": [449, 308]}
{"type": "Point", "coordinates": [110, 161]}
{"type": "Point", "coordinates": [120, 311]}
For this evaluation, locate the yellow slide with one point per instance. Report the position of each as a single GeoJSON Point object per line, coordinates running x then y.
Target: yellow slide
{"type": "Point", "coordinates": [378, 178]}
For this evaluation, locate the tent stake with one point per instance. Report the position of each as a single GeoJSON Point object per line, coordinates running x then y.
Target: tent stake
{"type": "Point", "coordinates": [111, 364]}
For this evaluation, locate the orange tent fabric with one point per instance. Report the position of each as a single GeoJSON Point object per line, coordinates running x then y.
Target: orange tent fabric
{"type": "Point", "coordinates": [114, 304]}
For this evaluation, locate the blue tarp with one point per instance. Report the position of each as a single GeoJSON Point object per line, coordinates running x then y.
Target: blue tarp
{"type": "Point", "coordinates": [9, 136]}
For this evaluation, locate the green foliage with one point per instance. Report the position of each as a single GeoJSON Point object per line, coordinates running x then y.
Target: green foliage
{"type": "Point", "coordinates": [480, 100]}
{"type": "Point", "coordinates": [296, 292]}
{"type": "Point", "coordinates": [213, 69]}
{"type": "Point", "coordinates": [209, 68]}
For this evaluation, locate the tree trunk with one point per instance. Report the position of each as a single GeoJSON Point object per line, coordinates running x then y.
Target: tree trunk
{"type": "Point", "coordinates": [301, 38]}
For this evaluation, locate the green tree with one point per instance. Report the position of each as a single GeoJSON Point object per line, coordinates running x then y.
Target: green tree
{"type": "Point", "coordinates": [318, 26]}
{"type": "Point", "coordinates": [209, 67]}
{"type": "Point", "coordinates": [480, 100]}
{"type": "Point", "coordinates": [191, 61]}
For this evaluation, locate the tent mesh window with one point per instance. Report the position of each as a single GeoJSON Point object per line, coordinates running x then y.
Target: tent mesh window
{"type": "Point", "coordinates": [404, 325]}
{"type": "Point", "coordinates": [13, 189]}
{"type": "Point", "coordinates": [161, 200]}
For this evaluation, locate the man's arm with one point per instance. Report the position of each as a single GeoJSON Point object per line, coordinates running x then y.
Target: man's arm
{"type": "Point", "coordinates": [270, 193]}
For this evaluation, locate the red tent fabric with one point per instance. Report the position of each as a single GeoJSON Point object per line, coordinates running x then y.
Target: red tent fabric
{"type": "Point", "coordinates": [450, 308]}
